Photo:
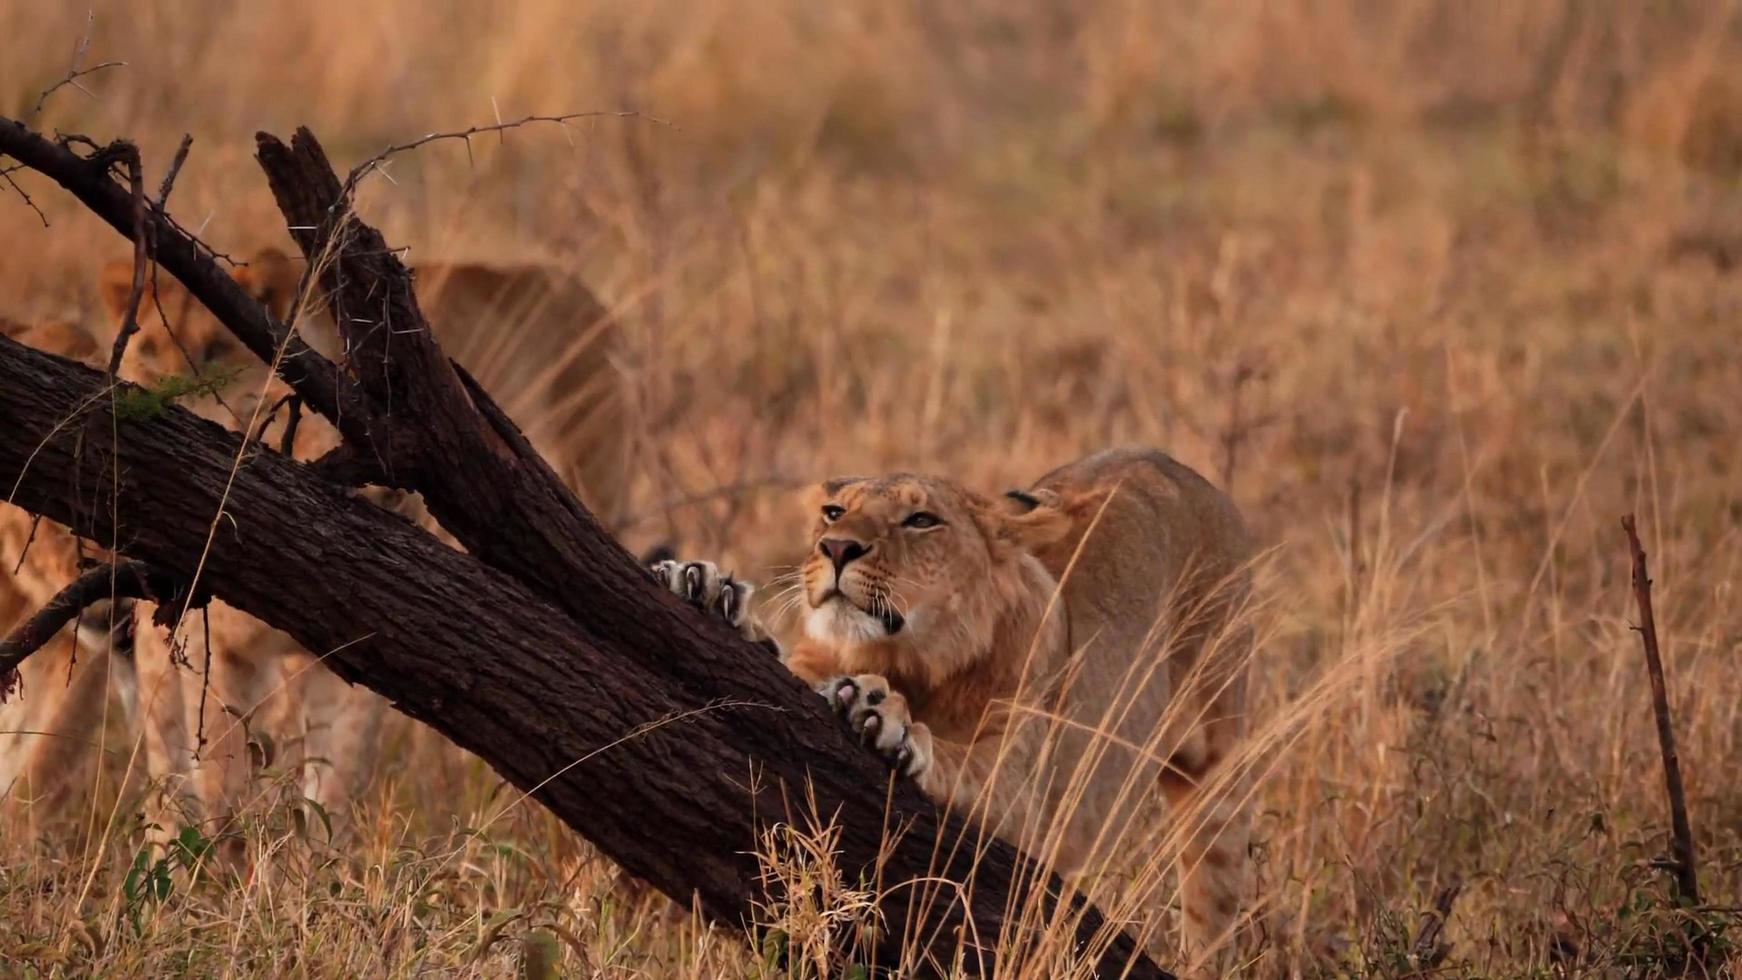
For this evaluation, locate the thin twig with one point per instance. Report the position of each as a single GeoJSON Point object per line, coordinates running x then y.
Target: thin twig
{"type": "Point", "coordinates": [205, 684]}
{"type": "Point", "coordinates": [125, 580]}
{"type": "Point", "coordinates": [374, 163]}
{"type": "Point", "coordinates": [7, 173]}
{"type": "Point", "coordinates": [130, 322]}
{"type": "Point", "coordinates": [199, 243]}
{"type": "Point", "coordinates": [171, 327]}
{"type": "Point", "coordinates": [181, 156]}
{"type": "Point", "coordinates": [35, 522]}
{"type": "Point", "coordinates": [1682, 839]}
{"type": "Point", "coordinates": [75, 73]}
{"type": "Point", "coordinates": [287, 442]}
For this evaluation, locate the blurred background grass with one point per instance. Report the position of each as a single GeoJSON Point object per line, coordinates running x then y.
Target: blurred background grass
{"type": "Point", "coordinates": [1437, 289]}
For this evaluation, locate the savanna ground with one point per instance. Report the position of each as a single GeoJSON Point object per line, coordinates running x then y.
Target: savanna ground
{"type": "Point", "coordinates": [1438, 290]}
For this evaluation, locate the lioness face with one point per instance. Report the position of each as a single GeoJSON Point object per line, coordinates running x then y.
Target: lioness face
{"type": "Point", "coordinates": [889, 553]}
{"type": "Point", "coordinates": [899, 558]}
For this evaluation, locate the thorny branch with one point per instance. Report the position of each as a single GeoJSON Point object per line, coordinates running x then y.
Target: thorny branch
{"type": "Point", "coordinates": [136, 183]}
{"type": "Point", "coordinates": [181, 157]}
{"type": "Point", "coordinates": [7, 174]}
{"type": "Point", "coordinates": [75, 73]}
{"type": "Point", "coordinates": [375, 162]}
{"type": "Point", "coordinates": [1682, 835]}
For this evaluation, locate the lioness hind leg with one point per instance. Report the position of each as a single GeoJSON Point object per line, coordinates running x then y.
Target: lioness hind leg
{"type": "Point", "coordinates": [163, 719]}
{"type": "Point", "coordinates": [48, 728]}
{"type": "Point", "coordinates": [1214, 866]}
{"type": "Point", "coordinates": [341, 735]}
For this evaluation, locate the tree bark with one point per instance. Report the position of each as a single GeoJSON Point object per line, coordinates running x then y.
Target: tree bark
{"type": "Point", "coordinates": [655, 732]}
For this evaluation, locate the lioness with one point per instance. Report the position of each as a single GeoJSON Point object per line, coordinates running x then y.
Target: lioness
{"type": "Point", "coordinates": [533, 333]}
{"type": "Point", "coordinates": [1043, 662]}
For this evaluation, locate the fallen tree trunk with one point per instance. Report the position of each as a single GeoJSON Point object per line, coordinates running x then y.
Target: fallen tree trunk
{"type": "Point", "coordinates": [541, 646]}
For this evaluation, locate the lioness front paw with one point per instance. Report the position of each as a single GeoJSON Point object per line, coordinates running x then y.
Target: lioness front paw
{"type": "Point", "coordinates": [703, 585]}
{"type": "Point", "coordinates": [881, 718]}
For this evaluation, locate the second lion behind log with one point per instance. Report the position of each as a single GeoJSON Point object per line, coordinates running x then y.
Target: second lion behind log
{"type": "Point", "coordinates": [535, 337]}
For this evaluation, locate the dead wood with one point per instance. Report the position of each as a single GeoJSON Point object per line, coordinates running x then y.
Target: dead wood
{"type": "Point", "coordinates": [1681, 834]}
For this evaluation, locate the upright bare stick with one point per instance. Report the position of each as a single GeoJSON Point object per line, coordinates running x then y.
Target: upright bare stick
{"type": "Point", "coordinates": [1682, 841]}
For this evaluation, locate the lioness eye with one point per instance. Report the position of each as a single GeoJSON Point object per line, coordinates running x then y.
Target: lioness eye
{"type": "Point", "coordinates": [921, 518]}
{"type": "Point", "coordinates": [833, 512]}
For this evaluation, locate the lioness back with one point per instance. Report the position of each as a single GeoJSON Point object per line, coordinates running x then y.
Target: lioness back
{"type": "Point", "coordinates": [545, 347]}
{"type": "Point", "coordinates": [1160, 557]}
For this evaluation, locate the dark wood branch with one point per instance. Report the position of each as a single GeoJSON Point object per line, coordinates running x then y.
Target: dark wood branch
{"type": "Point", "coordinates": [131, 579]}
{"type": "Point", "coordinates": [342, 465]}
{"type": "Point", "coordinates": [708, 739]}
{"type": "Point", "coordinates": [505, 505]}
{"type": "Point", "coordinates": [1682, 835]}
{"type": "Point", "coordinates": [323, 387]}
{"type": "Point", "coordinates": [292, 419]}
{"type": "Point", "coordinates": [136, 198]}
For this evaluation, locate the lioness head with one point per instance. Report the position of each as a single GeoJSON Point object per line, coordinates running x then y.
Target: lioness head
{"type": "Point", "coordinates": [177, 334]}
{"type": "Point", "coordinates": [918, 562]}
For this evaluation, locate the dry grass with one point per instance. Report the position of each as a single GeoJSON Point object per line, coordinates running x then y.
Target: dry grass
{"type": "Point", "coordinates": [1438, 292]}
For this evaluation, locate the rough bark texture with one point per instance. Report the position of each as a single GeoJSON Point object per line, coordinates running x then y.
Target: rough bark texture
{"type": "Point", "coordinates": [543, 645]}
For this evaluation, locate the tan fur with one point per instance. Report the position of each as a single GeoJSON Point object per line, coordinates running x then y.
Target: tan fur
{"type": "Point", "coordinates": [535, 335]}
{"type": "Point", "coordinates": [1054, 722]}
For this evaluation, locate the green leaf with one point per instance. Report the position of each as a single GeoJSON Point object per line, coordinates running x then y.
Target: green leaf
{"type": "Point", "coordinates": [189, 848]}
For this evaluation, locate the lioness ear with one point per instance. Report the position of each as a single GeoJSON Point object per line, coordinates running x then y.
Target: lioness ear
{"type": "Point", "coordinates": [1030, 519]}
{"type": "Point", "coordinates": [271, 278]}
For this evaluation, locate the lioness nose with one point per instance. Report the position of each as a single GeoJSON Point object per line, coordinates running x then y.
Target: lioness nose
{"type": "Point", "coordinates": [841, 551]}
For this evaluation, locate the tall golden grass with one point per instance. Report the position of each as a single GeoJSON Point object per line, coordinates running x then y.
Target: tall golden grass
{"type": "Point", "coordinates": [1438, 290]}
